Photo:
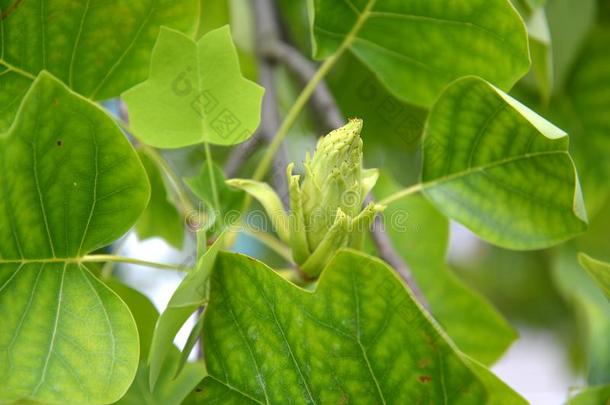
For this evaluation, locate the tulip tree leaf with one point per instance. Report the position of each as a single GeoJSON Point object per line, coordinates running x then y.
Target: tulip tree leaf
{"type": "Point", "coordinates": [418, 47]}
{"type": "Point", "coordinates": [99, 49]}
{"type": "Point", "coordinates": [420, 235]}
{"type": "Point", "coordinates": [161, 217]}
{"type": "Point", "coordinates": [500, 169]}
{"type": "Point", "coordinates": [70, 183]}
{"type": "Point", "coordinates": [599, 271]}
{"type": "Point", "coordinates": [360, 337]}
{"type": "Point", "coordinates": [195, 93]}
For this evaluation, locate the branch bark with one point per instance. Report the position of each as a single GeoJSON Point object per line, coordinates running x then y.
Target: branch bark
{"type": "Point", "coordinates": [322, 99]}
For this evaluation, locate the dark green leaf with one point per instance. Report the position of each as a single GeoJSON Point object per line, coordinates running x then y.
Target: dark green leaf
{"type": "Point", "coordinates": [500, 169]}
{"type": "Point", "coordinates": [170, 389]}
{"type": "Point", "coordinates": [161, 217]}
{"type": "Point", "coordinates": [420, 235]}
{"type": "Point", "coordinates": [418, 47]}
{"type": "Point", "coordinates": [359, 337]}
{"type": "Point", "coordinates": [98, 49]}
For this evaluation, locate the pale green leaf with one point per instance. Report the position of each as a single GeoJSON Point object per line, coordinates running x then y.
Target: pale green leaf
{"type": "Point", "coordinates": [598, 270]}
{"type": "Point", "coordinates": [192, 292]}
{"type": "Point", "coordinates": [420, 235]}
{"type": "Point", "coordinates": [194, 93]}
{"type": "Point", "coordinates": [70, 183]}
{"type": "Point", "coordinates": [99, 49]}
{"type": "Point", "coordinates": [500, 169]}
{"type": "Point", "coordinates": [417, 47]}
{"type": "Point", "coordinates": [161, 217]}
{"type": "Point", "coordinates": [359, 338]}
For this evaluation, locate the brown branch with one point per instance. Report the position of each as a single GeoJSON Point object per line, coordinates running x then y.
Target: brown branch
{"type": "Point", "coordinates": [241, 153]}
{"type": "Point", "coordinates": [322, 99]}
{"type": "Point", "coordinates": [386, 250]}
{"type": "Point", "coordinates": [267, 31]}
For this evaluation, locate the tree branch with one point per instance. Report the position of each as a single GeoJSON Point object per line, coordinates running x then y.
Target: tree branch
{"type": "Point", "coordinates": [386, 250]}
{"type": "Point", "coordinates": [322, 99]}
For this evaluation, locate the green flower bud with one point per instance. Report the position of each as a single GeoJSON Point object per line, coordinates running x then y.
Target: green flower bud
{"type": "Point", "coordinates": [326, 211]}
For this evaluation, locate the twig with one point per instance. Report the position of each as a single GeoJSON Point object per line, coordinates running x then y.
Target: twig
{"type": "Point", "coordinates": [240, 154]}
{"type": "Point", "coordinates": [267, 30]}
{"type": "Point", "coordinates": [387, 252]}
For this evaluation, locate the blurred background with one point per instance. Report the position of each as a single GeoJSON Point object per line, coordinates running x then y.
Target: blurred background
{"type": "Point", "coordinates": [546, 326]}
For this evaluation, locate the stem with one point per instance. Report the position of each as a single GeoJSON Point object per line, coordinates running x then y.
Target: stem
{"type": "Point", "coordinates": [129, 260]}
{"type": "Point", "coordinates": [271, 242]}
{"type": "Point", "coordinates": [107, 269]}
{"type": "Point", "coordinates": [98, 259]}
{"type": "Point", "coordinates": [17, 70]}
{"type": "Point", "coordinates": [402, 193]}
{"type": "Point", "coordinates": [210, 163]}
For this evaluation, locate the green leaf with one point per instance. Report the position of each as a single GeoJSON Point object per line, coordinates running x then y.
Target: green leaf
{"type": "Point", "coordinates": [70, 183]}
{"type": "Point", "coordinates": [144, 313]}
{"type": "Point", "coordinates": [194, 93]}
{"type": "Point", "coordinates": [360, 337]}
{"type": "Point", "coordinates": [598, 270]}
{"type": "Point", "coordinates": [569, 22]}
{"type": "Point", "coordinates": [161, 217]}
{"type": "Point", "coordinates": [192, 293]}
{"type": "Point", "coordinates": [420, 235]}
{"type": "Point", "coordinates": [169, 390]}
{"type": "Point", "coordinates": [584, 107]}
{"type": "Point", "coordinates": [500, 169]}
{"type": "Point", "coordinates": [212, 14]}
{"type": "Point", "coordinates": [592, 396]}
{"type": "Point", "coordinates": [201, 186]}
{"type": "Point", "coordinates": [417, 47]}
{"type": "Point", "coordinates": [98, 50]}
{"type": "Point", "coordinates": [593, 311]}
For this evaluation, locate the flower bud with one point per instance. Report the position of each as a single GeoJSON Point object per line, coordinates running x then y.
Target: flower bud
{"type": "Point", "coordinates": [326, 211]}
